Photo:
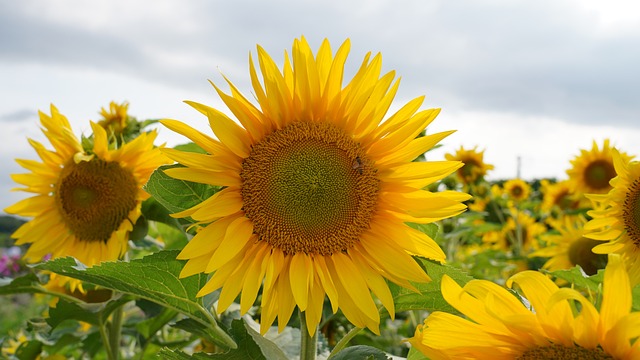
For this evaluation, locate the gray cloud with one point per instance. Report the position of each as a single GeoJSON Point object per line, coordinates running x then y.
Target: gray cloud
{"type": "Point", "coordinates": [541, 58]}
{"type": "Point", "coordinates": [18, 116]}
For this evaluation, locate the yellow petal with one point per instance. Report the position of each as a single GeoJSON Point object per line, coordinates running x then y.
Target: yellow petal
{"type": "Point", "coordinates": [204, 141]}
{"type": "Point", "coordinates": [238, 234]}
{"type": "Point", "coordinates": [300, 276]}
{"type": "Point", "coordinates": [616, 293]}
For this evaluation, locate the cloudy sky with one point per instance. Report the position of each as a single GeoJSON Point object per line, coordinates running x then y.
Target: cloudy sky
{"type": "Point", "coordinates": [538, 80]}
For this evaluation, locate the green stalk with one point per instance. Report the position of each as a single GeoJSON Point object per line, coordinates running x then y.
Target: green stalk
{"type": "Point", "coordinates": [344, 341]}
{"type": "Point", "coordinates": [104, 336]}
{"type": "Point", "coordinates": [308, 343]}
{"type": "Point", "coordinates": [115, 329]}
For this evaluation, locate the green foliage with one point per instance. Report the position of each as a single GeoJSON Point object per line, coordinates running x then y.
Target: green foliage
{"type": "Point", "coordinates": [154, 277]}
{"type": "Point", "coordinates": [94, 313]}
{"type": "Point", "coordinates": [576, 277]}
{"type": "Point", "coordinates": [251, 345]}
{"type": "Point", "coordinates": [8, 224]}
{"type": "Point", "coordinates": [360, 352]}
{"type": "Point", "coordinates": [177, 195]}
{"type": "Point", "coordinates": [430, 297]}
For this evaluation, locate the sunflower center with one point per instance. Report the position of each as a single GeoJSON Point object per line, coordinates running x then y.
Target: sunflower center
{"type": "Point", "coordinates": [468, 170]}
{"type": "Point", "coordinates": [309, 188]}
{"type": "Point", "coordinates": [555, 352]}
{"type": "Point", "coordinates": [631, 212]}
{"type": "Point", "coordinates": [580, 254]}
{"type": "Point", "coordinates": [94, 197]}
{"type": "Point", "coordinates": [598, 173]}
{"type": "Point", "coordinates": [564, 200]}
{"type": "Point", "coordinates": [516, 191]}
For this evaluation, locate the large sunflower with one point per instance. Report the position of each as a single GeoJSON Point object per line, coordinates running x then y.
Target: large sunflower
{"type": "Point", "coordinates": [593, 169]}
{"type": "Point", "coordinates": [474, 167]}
{"type": "Point", "coordinates": [318, 190]}
{"type": "Point", "coordinates": [567, 247]}
{"type": "Point", "coordinates": [499, 326]}
{"type": "Point", "coordinates": [616, 217]}
{"type": "Point", "coordinates": [86, 202]}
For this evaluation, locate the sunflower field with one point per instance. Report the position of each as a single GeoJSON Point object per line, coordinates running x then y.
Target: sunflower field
{"type": "Point", "coordinates": [313, 223]}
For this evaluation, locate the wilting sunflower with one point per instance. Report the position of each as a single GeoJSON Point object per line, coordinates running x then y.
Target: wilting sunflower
{"type": "Point", "coordinates": [519, 234]}
{"type": "Point", "coordinates": [557, 197]}
{"type": "Point", "coordinates": [567, 247]}
{"type": "Point", "coordinates": [593, 169]}
{"type": "Point", "coordinates": [616, 217]}
{"type": "Point", "coordinates": [499, 326]}
{"type": "Point", "coordinates": [517, 189]}
{"type": "Point", "coordinates": [474, 167]}
{"type": "Point", "coordinates": [318, 190]}
{"type": "Point", "coordinates": [86, 202]}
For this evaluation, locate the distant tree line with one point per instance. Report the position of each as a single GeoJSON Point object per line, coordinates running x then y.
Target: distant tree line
{"type": "Point", "coordinates": [8, 224]}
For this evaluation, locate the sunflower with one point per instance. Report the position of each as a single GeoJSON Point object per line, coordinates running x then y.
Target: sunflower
{"type": "Point", "coordinates": [616, 217]}
{"type": "Point", "coordinates": [474, 168]}
{"type": "Point", "coordinates": [519, 233]}
{"type": "Point", "coordinates": [317, 190]}
{"type": "Point", "coordinates": [115, 120]}
{"type": "Point", "coordinates": [557, 197]}
{"type": "Point", "coordinates": [517, 189]}
{"type": "Point", "coordinates": [86, 202]}
{"type": "Point", "coordinates": [592, 170]}
{"type": "Point", "coordinates": [499, 326]}
{"type": "Point", "coordinates": [567, 247]}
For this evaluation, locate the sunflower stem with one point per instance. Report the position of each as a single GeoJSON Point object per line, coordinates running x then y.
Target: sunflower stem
{"type": "Point", "coordinates": [115, 329]}
{"type": "Point", "coordinates": [344, 341]}
{"type": "Point", "coordinates": [308, 343]}
{"type": "Point", "coordinates": [104, 336]}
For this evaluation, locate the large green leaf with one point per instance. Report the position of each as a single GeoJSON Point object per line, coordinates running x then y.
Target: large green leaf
{"type": "Point", "coordinates": [430, 297]}
{"type": "Point", "coordinates": [154, 277]}
{"type": "Point", "coordinates": [177, 195]}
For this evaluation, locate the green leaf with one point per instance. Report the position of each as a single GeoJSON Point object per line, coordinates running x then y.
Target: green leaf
{"type": "Point", "coordinates": [578, 278]}
{"type": "Point", "coordinates": [190, 147]}
{"type": "Point", "coordinates": [177, 195]}
{"type": "Point", "coordinates": [29, 350]}
{"type": "Point", "coordinates": [635, 293]}
{"type": "Point", "coordinates": [430, 229]}
{"type": "Point", "coordinates": [147, 328]}
{"type": "Point", "coordinates": [154, 211]}
{"type": "Point", "coordinates": [195, 328]}
{"type": "Point", "coordinates": [171, 237]}
{"type": "Point", "coordinates": [251, 345]}
{"type": "Point", "coordinates": [28, 283]}
{"type": "Point", "coordinates": [361, 352]}
{"type": "Point", "coordinates": [87, 312]}
{"type": "Point", "coordinates": [414, 354]}
{"type": "Point", "coordinates": [167, 354]}
{"type": "Point", "coordinates": [430, 297]}
{"type": "Point", "coordinates": [154, 277]}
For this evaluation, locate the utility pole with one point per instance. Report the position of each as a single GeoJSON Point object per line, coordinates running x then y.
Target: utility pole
{"type": "Point", "coordinates": [518, 167]}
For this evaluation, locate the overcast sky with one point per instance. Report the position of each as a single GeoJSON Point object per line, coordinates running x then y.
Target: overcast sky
{"type": "Point", "coordinates": [538, 80]}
